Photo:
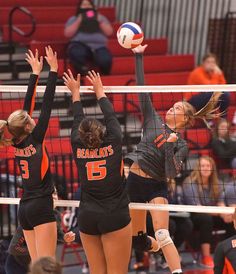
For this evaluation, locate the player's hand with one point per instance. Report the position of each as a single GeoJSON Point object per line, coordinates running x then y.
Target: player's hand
{"type": "Point", "coordinates": [95, 79]}
{"type": "Point", "coordinates": [51, 58]}
{"type": "Point", "coordinates": [217, 70]}
{"type": "Point", "coordinates": [173, 137]}
{"type": "Point", "coordinates": [72, 84]}
{"type": "Point", "coordinates": [69, 237]}
{"type": "Point", "coordinates": [139, 49]}
{"type": "Point", "coordinates": [35, 61]}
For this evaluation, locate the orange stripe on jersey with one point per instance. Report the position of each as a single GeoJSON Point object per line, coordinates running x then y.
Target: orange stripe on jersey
{"type": "Point", "coordinates": [158, 138]}
{"type": "Point", "coordinates": [45, 161]}
{"type": "Point", "coordinates": [33, 100]}
{"type": "Point", "coordinates": [122, 167]}
{"type": "Point", "coordinates": [228, 269]}
{"type": "Point", "coordinates": [161, 143]}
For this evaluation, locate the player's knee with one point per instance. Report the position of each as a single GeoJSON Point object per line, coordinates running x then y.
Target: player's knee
{"type": "Point", "coordinates": [163, 237]}
{"type": "Point", "coordinates": [142, 242]}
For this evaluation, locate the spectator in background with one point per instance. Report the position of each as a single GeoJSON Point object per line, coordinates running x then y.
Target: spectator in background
{"type": "Point", "coordinates": [208, 73]}
{"type": "Point", "coordinates": [88, 31]}
{"type": "Point", "coordinates": [223, 145]}
{"type": "Point", "coordinates": [202, 188]}
{"type": "Point", "coordinates": [180, 225]}
{"type": "Point", "coordinates": [46, 265]}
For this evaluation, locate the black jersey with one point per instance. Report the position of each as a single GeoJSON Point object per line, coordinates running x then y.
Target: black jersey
{"type": "Point", "coordinates": [100, 169]}
{"type": "Point", "coordinates": [155, 156]}
{"type": "Point", "coordinates": [31, 153]}
{"type": "Point", "coordinates": [225, 257]}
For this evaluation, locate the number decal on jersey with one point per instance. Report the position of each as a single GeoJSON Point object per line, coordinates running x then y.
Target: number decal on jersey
{"type": "Point", "coordinates": [96, 170]}
{"type": "Point", "coordinates": [25, 169]}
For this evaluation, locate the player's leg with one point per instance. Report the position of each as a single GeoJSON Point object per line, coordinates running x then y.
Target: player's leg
{"type": "Point", "coordinates": [160, 221]}
{"type": "Point", "coordinates": [31, 243]}
{"type": "Point", "coordinates": [117, 249]}
{"type": "Point", "coordinates": [93, 248]}
{"type": "Point", "coordinates": [46, 239]}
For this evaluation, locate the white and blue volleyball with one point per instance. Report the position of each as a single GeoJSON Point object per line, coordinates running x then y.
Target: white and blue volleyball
{"type": "Point", "coordinates": [130, 35]}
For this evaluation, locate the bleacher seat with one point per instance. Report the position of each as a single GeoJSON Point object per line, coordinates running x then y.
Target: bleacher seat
{"type": "Point", "coordinates": [156, 47]}
{"type": "Point", "coordinates": [49, 15]}
{"type": "Point", "coordinates": [37, 3]}
{"type": "Point", "coordinates": [198, 138]}
{"type": "Point", "coordinates": [7, 106]}
{"type": "Point", "coordinates": [168, 63]}
{"type": "Point", "coordinates": [58, 146]}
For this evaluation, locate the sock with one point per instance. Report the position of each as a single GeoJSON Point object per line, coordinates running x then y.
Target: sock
{"type": "Point", "coordinates": [177, 271]}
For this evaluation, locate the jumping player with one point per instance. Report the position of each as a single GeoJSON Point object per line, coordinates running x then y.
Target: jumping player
{"type": "Point", "coordinates": [159, 156]}
{"type": "Point", "coordinates": [104, 220]}
{"type": "Point", "coordinates": [36, 206]}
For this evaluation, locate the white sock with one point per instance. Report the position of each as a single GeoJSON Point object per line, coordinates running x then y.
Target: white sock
{"type": "Point", "coordinates": [177, 271]}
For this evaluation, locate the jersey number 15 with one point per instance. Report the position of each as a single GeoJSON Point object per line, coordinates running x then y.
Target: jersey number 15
{"type": "Point", "coordinates": [96, 170]}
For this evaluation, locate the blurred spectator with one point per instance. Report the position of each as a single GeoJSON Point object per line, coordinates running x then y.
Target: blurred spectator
{"type": "Point", "coordinates": [46, 265]}
{"type": "Point", "coordinates": [208, 73]}
{"type": "Point", "coordinates": [224, 147]}
{"type": "Point", "coordinates": [202, 188]}
{"type": "Point", "coordinates": [88, 31]}
{"type": "Point", "coordinates": [180, 225]}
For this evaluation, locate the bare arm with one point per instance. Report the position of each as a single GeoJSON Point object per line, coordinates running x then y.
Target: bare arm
{"type": "Point", "coordinates": [71, 29]}
{"type": "Point", "coordinates": [105, 25]}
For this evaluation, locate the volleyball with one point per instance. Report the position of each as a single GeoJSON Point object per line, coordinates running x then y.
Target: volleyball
{"type": "Point", "coordinates": [130, 35]}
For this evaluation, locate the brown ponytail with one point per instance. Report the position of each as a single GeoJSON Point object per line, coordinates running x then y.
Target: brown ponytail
{"type": "Point", "coordinates": [91, 133]}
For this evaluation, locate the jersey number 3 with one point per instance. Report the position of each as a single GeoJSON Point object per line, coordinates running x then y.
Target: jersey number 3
{"type": "Point", "coordinates": [96, 170]}
{"type": "Point", "coordinates": [25, 169]}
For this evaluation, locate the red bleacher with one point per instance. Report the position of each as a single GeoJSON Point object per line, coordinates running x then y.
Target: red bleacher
{"type": "Point", "coordinates": [155, 47]}
{"type": "Point", "coordinates": [37, 3]}
{"type": "Point", "coordinates": [49, 15]}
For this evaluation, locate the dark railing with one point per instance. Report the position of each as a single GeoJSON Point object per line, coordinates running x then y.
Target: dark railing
{"type": "Point", "coordinates": [13, 28]}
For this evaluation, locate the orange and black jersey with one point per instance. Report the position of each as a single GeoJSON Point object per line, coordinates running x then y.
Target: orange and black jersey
{"type": "Point", "coordinates": [225, 257]}
{"type": "Point", "coordinates": [31, 153]}
{"type": "Point", "coordinates": [101, 169]}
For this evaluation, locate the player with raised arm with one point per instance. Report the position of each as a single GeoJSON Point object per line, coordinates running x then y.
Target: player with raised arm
{"type": "Point", "coordinates": [36, 206]}
{"type": "Point", "coordinates": [104, 220]}
{"type": "Point", "coordinates": [159, 156]}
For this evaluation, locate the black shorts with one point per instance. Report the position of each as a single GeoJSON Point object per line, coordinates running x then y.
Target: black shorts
{"type": "Point", "coordinates": [93, 222]}
{"type": "Point", "coordinates": [142, 190]}
{"type": "Point", "coordinates": [35, 212]}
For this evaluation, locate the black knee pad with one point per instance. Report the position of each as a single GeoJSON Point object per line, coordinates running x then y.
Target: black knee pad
{"type": "Point", "coordinates": [141, 242]}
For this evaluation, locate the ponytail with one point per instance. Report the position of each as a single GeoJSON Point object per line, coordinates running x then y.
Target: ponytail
{"type": "Point", "coordinates": [4, 142]}
{"type": "Point", "coordinates": [208, 112]}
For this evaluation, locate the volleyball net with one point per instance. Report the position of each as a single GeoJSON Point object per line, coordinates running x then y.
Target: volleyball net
{"type": "Point", "coordinates": [126, 105]}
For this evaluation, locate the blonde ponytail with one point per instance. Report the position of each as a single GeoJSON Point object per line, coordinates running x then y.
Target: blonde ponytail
{"type": "Point", "coordinates": [208, 112]}
{"type": "Point", "coordinates": [4, 142]}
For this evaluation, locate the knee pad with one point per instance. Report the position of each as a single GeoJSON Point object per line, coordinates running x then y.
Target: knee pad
{"type": "Point", "coordinates": [163, 237]}
{"type": "Point", "coordinates": [141, 242]}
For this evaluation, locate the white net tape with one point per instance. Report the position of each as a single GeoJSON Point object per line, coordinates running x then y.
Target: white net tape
{"type": "Point", "coordinates": [142, 206]}
{"type": "Point", "coordinates": [132, 89]}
